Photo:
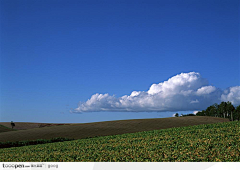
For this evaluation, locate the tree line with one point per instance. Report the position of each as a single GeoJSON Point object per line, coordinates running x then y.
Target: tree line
{"type": "Point", "coordinates": [223, 110]}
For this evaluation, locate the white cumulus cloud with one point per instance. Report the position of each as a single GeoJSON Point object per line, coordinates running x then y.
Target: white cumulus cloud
{"type": "Point", "coordinates": [232, 94]}
{"type": "Point", "coordinates": [206, 90]}
{"type": "Point", "coordinates": [183, 92]}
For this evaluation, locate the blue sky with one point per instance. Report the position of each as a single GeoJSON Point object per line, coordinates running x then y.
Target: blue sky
{"type": "Point", "coordinates": [57, 53]}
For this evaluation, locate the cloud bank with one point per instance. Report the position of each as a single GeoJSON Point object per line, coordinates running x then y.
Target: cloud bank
{"type": "Point", "coordinates": [183, 92]}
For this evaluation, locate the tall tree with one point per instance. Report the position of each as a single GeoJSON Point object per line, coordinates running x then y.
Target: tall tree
{"type": "Point", "coordinates": [230, 109]}
{"type": "Point", "coordinates": [222, 109]}
{"type": "Point", "coordinates": [12, 124]}
{"type": "Point", "coordinates": [211, 110]}
{"type": "Point", "coordinates": [237, 113]}
{"type": "Point", "coordinates": [216, 109]}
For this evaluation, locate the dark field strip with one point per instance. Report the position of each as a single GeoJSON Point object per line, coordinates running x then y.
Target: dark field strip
{"type": "Point", "coordinates": [86, 130]}
{"type": "Point", "coordinates": [201, 143]}
{"type": "Point", "coordinates": [29, 125]}
{"type": "Point", "coordinates": [5, 129]}
{"type": "Point", "coordinates": [34, 142]}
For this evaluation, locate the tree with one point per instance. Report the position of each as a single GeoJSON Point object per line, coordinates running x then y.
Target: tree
{"type": "Point", "coordinates": [237, 113]}
{"type": "Point", "coordinates": [176, 115]}
{"type": "Point", "coordinates": [190, 114]}
{"type": "Point", "coordinates": [12, 124]}
{"type": "Point", "coordinates": [230, 109]}
{"type": "Point", "coordinates": [223, 109]}
{"type": "Point", "coordinates": [215, 105]}
{"type": "Point", "coordinates": [211, 110]}
{"type": "Point", "coordinates": [202, 113]}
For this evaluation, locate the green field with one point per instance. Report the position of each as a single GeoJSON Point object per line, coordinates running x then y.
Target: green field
{"type": "Point", "coordinates": [211, 142]}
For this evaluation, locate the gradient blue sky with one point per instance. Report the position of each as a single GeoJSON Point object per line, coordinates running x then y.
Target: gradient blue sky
{"type": "Point", "coordinates": [55, 53]}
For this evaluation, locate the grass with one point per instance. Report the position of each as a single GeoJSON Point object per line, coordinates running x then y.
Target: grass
{"type": "Point", "coordinates": [202, 143]}
{"type": "Point", "coordinates": [87, 130]}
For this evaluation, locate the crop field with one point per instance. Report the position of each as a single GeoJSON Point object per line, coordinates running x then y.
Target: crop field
{"type": "Point", "coordinates": [86, 130]}
{"type": "Point", "coordinates": [211, 142]}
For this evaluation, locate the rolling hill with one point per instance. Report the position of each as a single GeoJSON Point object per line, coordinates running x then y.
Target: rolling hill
{"type": "Point", "coordinates": [5, 129]}
{"type": "Point", "coordinates": [29, 125]}
{"type": "Point", "coordinates": [86, 130]}
{"type": "Point", "coordinates": [218, 142]}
